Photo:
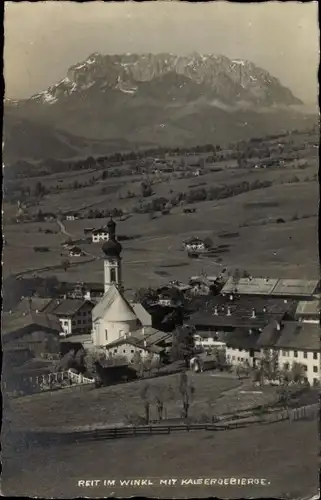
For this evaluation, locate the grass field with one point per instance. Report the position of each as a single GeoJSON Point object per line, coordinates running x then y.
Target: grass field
{"type": "Point", "coordinates": [109, 405]}
{"type": "Point", "coordinates": [283, 454]}
{"type": "Point", "coordinates": [262, 246]}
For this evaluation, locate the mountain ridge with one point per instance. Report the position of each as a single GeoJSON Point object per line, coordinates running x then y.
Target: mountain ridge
{"type": "Point", "coordinates": [163, 99]}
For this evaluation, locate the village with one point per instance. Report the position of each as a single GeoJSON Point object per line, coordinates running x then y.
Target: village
{"type": "Point", "coordinates": [262, 327]}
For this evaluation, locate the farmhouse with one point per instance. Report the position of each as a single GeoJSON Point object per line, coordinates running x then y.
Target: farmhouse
{"type": "Point", "coordinates": [72, 216]}
{"type": "Point", "coordinates": [294, 342]}
{"type": "Point", "coordinates": [224, 314]}
{"type": "Point", "coordinates": [128, 346]}
{"type": "Point", "coordinates": [73, 314]}
{"type": "Point", "coordinates": [75, 252]}
{"type": "Point", "coordinates": [194, 244]}
{"type": "Point", "coordinates": [100, 234]}
{"type": "Point", "coordinates": [35, 332]}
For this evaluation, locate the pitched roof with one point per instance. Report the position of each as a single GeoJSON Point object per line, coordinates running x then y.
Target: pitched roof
{"type": "Point", "coordinates": [141, 313]}
{"type": "Point", "coordinates": [308, 308]}
{"type": "Point", "coordinates": [271, 286]}
{"type": "Point", "coordinates": [19, 322]}
{"type": "Point", "coordinates": [114, 307]}
{"type": "Point", "coordinates": [292, 335]}
{"type": "Point", "coordinates": [301, 336]}
{"type": "Point", "coordinates": [28, 304]}
{"type": "Point", "coordinates": [152, 335]}
{"type": "Point", "coordinates": [240, 338]}
{"type": "Point", "coordinates": [250, 286]}
{"type": "Point", "coordinates": [65, 307]}
{"type": "Point", "coordinates": [136, 342]}
{"type": "Point", "coordinates": [295, 287]}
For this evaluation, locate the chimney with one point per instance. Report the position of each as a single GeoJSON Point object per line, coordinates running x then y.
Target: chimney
{"type": "Point", "coordinates": [253, 313]}
{"type": "Point", "coordinates": [228, 311]}
{"type": "Point", "coordinates": [216, 311]}
{"type": "Point", "coordinates": [278, 326]}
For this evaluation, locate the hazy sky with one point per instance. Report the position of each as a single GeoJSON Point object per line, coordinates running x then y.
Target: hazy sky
{"type": "Point", "coordinates": [43, 39]}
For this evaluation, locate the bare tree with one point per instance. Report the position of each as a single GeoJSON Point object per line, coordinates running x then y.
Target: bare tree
{"type": "Point", "coordinates": [186, 390]}
{"type": "Point", "coordinates": [146, 397]}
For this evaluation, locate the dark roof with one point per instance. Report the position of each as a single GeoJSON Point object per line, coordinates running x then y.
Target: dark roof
{"type": "Point", "coordinates": [302, 336]}
{"type": "Point", "coordinates": [17, 322]}
{"type": "Point", "coordinates": [100, 230]}
{"type": "Point", "coordinates": [65, 307]}
{"type": "Point", "coordinates": [136, 343]}
{"type": "Point", "coordinates": [241, 309]}
{"type": "Point", "coordinates": [241, 338]}
{"type": "Point", "coordinates": [28, 304]}
{"type": "Point", "coordinates": [292, 335]}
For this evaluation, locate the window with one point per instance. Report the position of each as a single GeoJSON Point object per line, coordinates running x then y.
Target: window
{"type": "Point", "coordinates": [305, 368]}
{"type": "Point", "coordinates": [233, 357]}
{"type": "Point", "coordinates": [305, 355]}
{"type": "Point", "coordinates": [286, 366]}
{"type": "Point", "coordinates": [106, 334]}
{"type": "Point", "coordinates": [115, 350]}
{"type": "Point", "coordinates": [238, 359]}
{"type": "Point", "coordinates": [132, 351]}
{"type": "Point", "coordinates": [295, 354]}
{"type": "Point", "coordinates": [113, 275]}
{"type": "Point", "coordinates": [315, 355]}
{"type": "Point", "coordinates": [315, 369]}
{"type": "Point", "coordinates": [241, 359]}
{"type": "Point", "coordinates": [65, 322]}
{"type": "Point", "coordinates": [285, 353]}
{"type": "Point", "coordinates": [124, 351]}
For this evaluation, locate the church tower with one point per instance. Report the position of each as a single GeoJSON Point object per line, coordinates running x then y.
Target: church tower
{"type": "Point", "coordinates": [112, 260]}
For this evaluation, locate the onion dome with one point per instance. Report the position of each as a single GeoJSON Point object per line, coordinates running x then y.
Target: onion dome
{"type": "Point", "coordinates": [112, 248]}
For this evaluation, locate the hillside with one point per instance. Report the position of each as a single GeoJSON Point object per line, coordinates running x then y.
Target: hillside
{"type": "Point", "coordinates": [161, 99]}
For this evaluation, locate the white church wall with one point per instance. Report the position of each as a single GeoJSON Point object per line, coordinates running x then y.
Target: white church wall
{"type": "Point", "coordinates": [106, 332]}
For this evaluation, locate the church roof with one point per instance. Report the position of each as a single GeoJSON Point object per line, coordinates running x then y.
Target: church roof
{"type": "Point", "coordinates": [113, 307]}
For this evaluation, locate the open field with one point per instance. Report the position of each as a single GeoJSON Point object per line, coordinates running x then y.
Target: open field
{"type": "Point", "coordinates": [155, 256]}
{"type": "Point", "coordinates": [109, 405]}
{"type": "Point", "coordinates": [284, 454]}
{"type": "Point", "coordinates": [288, 249]}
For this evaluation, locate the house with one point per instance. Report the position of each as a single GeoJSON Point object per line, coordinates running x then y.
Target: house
{"type": "Point", "coordinates": [88, 230]}
{"type": "Point", "coordinates": [294, 342]}
{"type": "Point", "coordinates": [194, 244]}
{"type": "Point", "coordinates": [308, 311]}
{"type": "Point", "coordinates": [100, 234]}
{"type": "Point", "coordinates": [72, 216]}
{"type": "Point", "coordinates": [75, 252]}
{"type": "Point", "coordinates": [225, 314]}
{"type": "Point", "coordinates": [129, 345]}
{"type": "Point", "coordinates": [73, 314]}
{"type": "Point", "coordinates": [35, 331]}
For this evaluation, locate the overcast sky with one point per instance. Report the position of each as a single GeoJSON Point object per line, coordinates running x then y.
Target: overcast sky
{"type": "Point", "coordinates": [43, 39]}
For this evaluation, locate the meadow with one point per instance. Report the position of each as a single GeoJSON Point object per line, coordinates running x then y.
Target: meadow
{"type": "Point", "coordinates": [284, 454]}
{"type": "Point", "coordinates": [155, 255]}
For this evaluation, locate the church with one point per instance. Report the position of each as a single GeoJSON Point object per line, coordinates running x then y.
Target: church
{"type": "Point", "coordinates": [115, 321]}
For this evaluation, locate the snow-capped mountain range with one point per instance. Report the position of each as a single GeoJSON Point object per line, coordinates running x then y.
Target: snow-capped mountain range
{"type": "Point", "coordinates": [217, 76]}
{"type": "Point", "coordinates": [160, 99]}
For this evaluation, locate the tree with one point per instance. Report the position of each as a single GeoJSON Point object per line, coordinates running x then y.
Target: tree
{"type": "Point", "coordinates": [145, 295]}
{"type": "Point", "coordinates": [65, 264]}
{"type": "Point", "coordinates": [208, 242]}
{"type": "Point", "coordinates": [236, 279]}
{"type": "Point", "coordinates": [146, 397]}
{"type": "Point", "coordinates": [137, 363]}
{"type": "Point", "coordinates": [146, 189]}
{"type": "Point", "coordinates": [297, 372]}
{"type": "Point", "coordinates": [183, 344]}
{"type": "Point", "coordinates": [269, 366]}
{"type": "Point", "coordinates": [186, 390]}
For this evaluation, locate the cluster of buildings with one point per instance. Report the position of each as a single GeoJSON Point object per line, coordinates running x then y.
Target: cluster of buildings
{"type": "Point", "coordinates": [248, 318]}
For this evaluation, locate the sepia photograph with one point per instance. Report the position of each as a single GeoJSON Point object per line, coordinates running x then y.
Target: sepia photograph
{"type": "Point", "coordinates": [160, 321]}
